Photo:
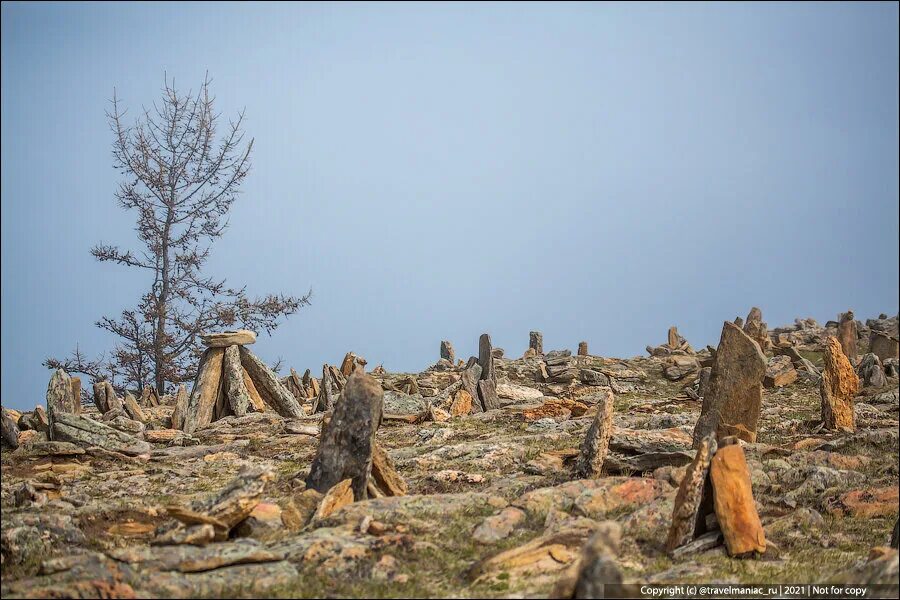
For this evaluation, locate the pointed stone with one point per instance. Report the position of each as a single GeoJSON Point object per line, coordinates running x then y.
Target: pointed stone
{"type": "Point", "coordinates": [848, 335]}
{"type": "Point", "coordinates": [688, 516]}
{"type": "Point", "coordinates": [235, 391]}
{"type": "Point", "coordinates": [883, 345]}
{"type": "Point", "coordinates": [839, 386]}
{"type": "Point", "coordinates": [536, 342]}
{"type": "Point", "coordinates": [734, 504]}
{"type": "Point", "coordinates": [59, 396]}
{"type": "Point", "coordinates": [76, 394]}
{"type": "Point", "coordinates": [100, 396]}
{"type": "Point", "coordinates": [596, 441]}
{"type": "Point", "coordinates": [385, 474]}
{"type": "Point", "coordinates": [447, 352]}
{"type": "Point", "coordinates": [345, 447]}
{"type": "Point", "coordinates": [674, 340]}
{"type": "Point", "coordinates": [113, 402]}
{"type": "Point", "coordinates": [486, 357]}
{"type": "Point", "coordinates": [181, 401]}
{"type": "Point", "coordinates": [733, 397]}
{"type": "Point", "coordinates": [133, 409]}
{"type": "Point", "coordinates": [269, 388]}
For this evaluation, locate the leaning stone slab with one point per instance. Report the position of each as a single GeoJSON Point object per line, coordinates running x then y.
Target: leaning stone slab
{"type": "Point", "coordinates": [133, 408]}
{"type": "Point", "coordinates": [733, 397]}
{"type": "Point", "coordinates": [84, 431]}
{"type": "Point", "coordinates": [688, 518]}
{"type": "Point", "coordinates": [223, 339]}
{"type": "Point", "coordinates": [178, 414]}
{"type": "Point", "coordinates": [596, 441]}
{"type": "Point", "coordinates": [269, 387]}
{"type": "Point", "coordinates": [345, 449]}
{"type": "Point", "coordinates": [487, 393]}
{"type": "Point", "coordinates": [469, 382]}
{"type": "Point", "coordinates": [386, 477]}
{"type": "Point", "coordinates": [486, 357]}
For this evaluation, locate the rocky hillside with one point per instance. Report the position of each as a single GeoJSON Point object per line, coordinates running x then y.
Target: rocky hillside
{"type": "Point", "coordinates": [772, 457]}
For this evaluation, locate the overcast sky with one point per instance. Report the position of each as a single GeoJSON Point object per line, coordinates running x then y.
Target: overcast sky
{"type": "Point", "coordinates": [594, 171]}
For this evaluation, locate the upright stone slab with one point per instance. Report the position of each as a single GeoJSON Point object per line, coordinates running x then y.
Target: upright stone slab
{"type": "Point", "coordinates": [447, 352]}
{"type": "Point", "coordinates": [100, 396]}
{"type": "Point", "coordinates": [733, 499]}
{"type": "Point", "coordinates": [235, 391]}
{"type": "Point", "coordinates": [673, 338]}
{"type": "Point", "coordinates": [536, 342]}
{"type": "Point", "coordinates": [733, 396]}
{"type": "Point", "coordinates": [470, 378]}
{"type": "Point", "coordinates": [112, 400]}
{"type": "Point", "coordinates": [688, 516]}
{"type": "Point", "coordinates": [59, 396]}
{"type": "Point", "coordinates": [486, 357]}
{"type": "Point", "coordinates": [487, 392]}
{"type": "Point", "coordinates": [269, 387]}
{"type": "Point", "coordinates": [202, 403]}
{"type": "Point", "coordinates": [582, 349]}
{"type": "Point", "coordinates": [181, 401]}
{"type": "Point", "coordinates": [839, 386]}
{"type": "Point", "coordinates": [76, 394]}
{"type": "Point", "coordinates": [847, 335]}
{"type": "Point", "coordinates": [345, 449]}
{"type": "Point", "coordinates": [596, 442]}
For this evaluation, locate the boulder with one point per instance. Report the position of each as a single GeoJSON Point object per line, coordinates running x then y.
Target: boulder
{"type": "Point", "coordinates": [780, 372]}
{"type": "Point", "coordinates": [81, 430]}
{"type": "Point", "coordinates": [596, 442]}
{"type": "Point", "coordinates": [447, 352]}
{"type": "Point", "coordinates": [883, 345]}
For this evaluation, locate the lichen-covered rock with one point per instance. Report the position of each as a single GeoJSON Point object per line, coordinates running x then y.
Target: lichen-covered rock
{"type": "Point", "coordinates": [838, 389]}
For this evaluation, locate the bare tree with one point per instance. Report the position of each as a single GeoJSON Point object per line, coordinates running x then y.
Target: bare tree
{"type": "Point", "coordinates": [181, 178]}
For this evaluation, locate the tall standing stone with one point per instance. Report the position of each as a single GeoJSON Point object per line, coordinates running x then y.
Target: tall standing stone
{"type": "Point", "coordinates": [347, 440]}
{"type": "Point", "coordinates": [447, 351]}
{"type": "Point", "coordinates": [839, 386]}
{"type": "Point", "coordinates": [734, 504]}
{"type": "Point", "coordinates": [848, 334]}
{"type": "Point", "coordinates": [733, 396]}
{"type": "Point", "coordinates": [469, 379]}
{"type": "Point", "coordinates": [181, 400]}
{"type": "Point", "coordinates": [536, 342]}
{"type": "Point", "coordinates": [596, 442]}
{"type": "Point", "coordinates": [100, 396]}
{"type": "Point", "coordinates": [673, 338]}
{"type": "Point", "coordinates": [76, 394]}
{"type": "Point", "coordinates": [486, 357]}
{"type": "Point", "coordinates": [112, 400]}
{"type": "Point", "coordinates": [582, 349]}
{"type": "Point", "coordinates": [204, 394]}
{"type": "Point", "coordinates": [59, 396]}
{"type": "Point", "coordinates": [235, 391]}
{"type": "Point", "coordinates": [487, 392]}
{"type": "Point", "coordinates": [133, 408]}
{"type": "Point", "coordinates": [883, 345]}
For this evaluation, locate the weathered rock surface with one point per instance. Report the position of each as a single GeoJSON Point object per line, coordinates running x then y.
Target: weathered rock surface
{"type": "Point", "coordinates": [269, 387]}
{"type": "Point", "coordinates": [84, 431]}
{"type": "Point", "coordinates": [848, 336]}
{"type": "Point", "coordinates": [345, 449]}
{"type": "Point", "coordinates": [224, 339]}
{"type": "Point", "coordinates": [734, 504]}
{"type": "Point", "coordinates": [838, 389]}
{"type": "Point", "coordinates": [596, 442]}
{"type": "Point", "coordinates": [694, 498]}
{"type": "Point", "coordinates": [731, 404]}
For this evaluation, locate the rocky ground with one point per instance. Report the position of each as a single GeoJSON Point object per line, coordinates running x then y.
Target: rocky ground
{"type": "Point", "coordinates": [493, 506]}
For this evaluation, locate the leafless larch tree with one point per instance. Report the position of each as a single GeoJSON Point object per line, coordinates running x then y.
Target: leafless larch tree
{"type": "Point", "coordinates": [181, 177]}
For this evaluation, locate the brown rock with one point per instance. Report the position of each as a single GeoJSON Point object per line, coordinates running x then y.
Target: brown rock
{"type": "Point", "coordinates": [780, 372]}
{"type": "Point", "coordinates": [447, 352]}
{"type": "Point", "coordinates": [59, 396]}
{"type": "Point", "coordinates": [734, 504]}
{"type": "Point", "coordinates": [487, 394]}
{"type": "Point", "coordinates": [582, 349]}
{"type": "Point", "coordinates": [839, 386]}
{"type": "Point", "coordinates": [256, 401]}
{"type": "Point", "coordinates": [235, 390]}
{"type": "Point", "coordinates": [341, 494]}
{"type": "Point", "coordinates": [693, 498]}
{"type": "Point", "coordinates": [76, 394]}
{"type": "Point", "coordinates": [181, 400]}
{"type": "Point", "coordinates": [883, 345]}
{"type": "Point", "coordinates": [133, 409]}
{"type": "Point", "coordinates": [536, 342]}
{"type": "Point", "coordinates": [162, 435]}
{"type": "Point", "coordinates": [486, 357]}
{"type": "Point", "coordinates": [757, 330]}
{"type": "Point", "coordinates": [462, 404]}
{"type": "Point", "coordinates": [345, 447]}
{"type": "Point", "coordinates": [848, 336]}
{"type": "Point", "coordinates": [9, 430]}
{"type": "Point", "coordinates": [732, 399]}
{"type": "Point", "coordinates": [674, 340]}
{"type": "Point", "coordinates": [596, 441]}
{"type": "Point", "coordinates": [300, 509]}
{"type": "Point", "coordinates": [868, 503]}
{"type": "Point", "coordinates": [224, 339]}
{"type": "Point", "coordinates": [202, 401]}
{"type": "Point", "coordinates": [386, 477]}
{"type": "Point", "coordinates": [269, 387]}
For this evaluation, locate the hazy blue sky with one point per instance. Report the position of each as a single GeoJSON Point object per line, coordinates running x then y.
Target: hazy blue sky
{"type": "Point", "coordinates": [595, 171]}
